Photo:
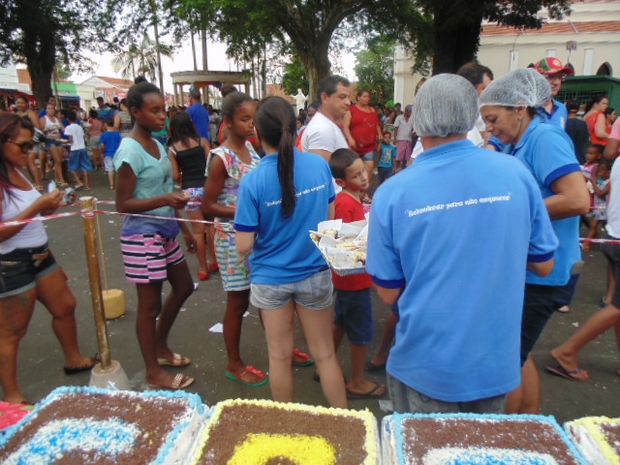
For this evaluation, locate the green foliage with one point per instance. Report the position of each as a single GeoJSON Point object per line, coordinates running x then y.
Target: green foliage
{"type": "Point", "coordinates": [375, 69]}
{"type": "Point", "coordinates": [40, 32]}
{"type": "Point", "coordinates": [140, 59]}
{"type": "Point", "coordinates": [295, 78]}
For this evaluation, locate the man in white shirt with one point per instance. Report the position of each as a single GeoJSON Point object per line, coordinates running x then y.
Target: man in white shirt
{"type": "Point", "coordinates": [323, 135]}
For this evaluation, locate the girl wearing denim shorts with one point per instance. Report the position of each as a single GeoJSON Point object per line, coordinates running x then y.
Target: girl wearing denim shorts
{"type": "Point", "coordinates": [28, 270]}
{"type": "Point", "coordinates": [279, 202]}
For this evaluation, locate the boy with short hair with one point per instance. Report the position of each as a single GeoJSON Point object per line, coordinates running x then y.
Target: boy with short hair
{"type": "Point", "coordinates": [353, 306]}
{"type": "Point", "coordinates": [388, 156]}
{"type": "Point", "coordinates": [78, 156]}
{"type": "Point", "coordinates": [110, 140]}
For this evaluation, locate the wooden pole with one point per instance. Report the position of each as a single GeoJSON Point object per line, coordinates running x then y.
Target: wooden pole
{"type": "Point", "coordinates": [92, 259]}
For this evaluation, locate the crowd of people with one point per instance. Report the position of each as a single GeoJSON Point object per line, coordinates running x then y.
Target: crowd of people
{"type": "Point", "coordinates": [472, 151]}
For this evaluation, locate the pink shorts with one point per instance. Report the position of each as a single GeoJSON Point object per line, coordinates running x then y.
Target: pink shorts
{"type": "Point", "coordinates": [403, 150]}
{"type": "Point", "coordinates": [147, 257]}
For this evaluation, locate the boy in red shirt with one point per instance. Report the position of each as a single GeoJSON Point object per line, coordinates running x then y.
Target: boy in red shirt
{"type": "Point", "coordinates": [353, 306]}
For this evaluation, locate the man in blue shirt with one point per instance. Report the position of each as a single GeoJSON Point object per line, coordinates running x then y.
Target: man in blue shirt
{"type": "Point", "coordinates": [104, 111]}
{"type": "Point", "coordinates": [552, 111]}
{"type": "Point", "coordinates": [440, 251]}
{"type": "Point", "coordinates": [199, 115]}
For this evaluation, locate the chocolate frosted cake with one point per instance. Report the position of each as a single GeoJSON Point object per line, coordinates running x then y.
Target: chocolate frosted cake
{"type": "Point", "coordinates": [248, 432]}
{"type": "Point", "coordinates": [78, 425]}
{"type": "Point", "coordinates": [437, 439]}
{"type": "Point", "coordinates": [597, 438]}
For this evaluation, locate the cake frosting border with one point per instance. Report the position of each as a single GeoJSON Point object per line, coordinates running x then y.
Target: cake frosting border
{"type": "Point", "coordinates": [369, 420]}
{"type": "Point", "coordinates": [395, 421]}
{"type": "Point", "coordinates": [590, 424]}
{"type": "Point", "coordinates": [195, 402]}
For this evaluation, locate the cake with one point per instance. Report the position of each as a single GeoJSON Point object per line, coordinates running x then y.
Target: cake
{"type": "Point", "coordinates": [253, 432]}
{"type": "Point", "coordinates": [438, 439]}
{"type": "Point", "coordinates": [79, 425]}
{"type": "Point", "coordinates": [597, 438]}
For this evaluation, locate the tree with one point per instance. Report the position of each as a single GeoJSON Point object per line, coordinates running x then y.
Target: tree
{"type": "Point", "coordinates": [246, 26]}
{"type": "Point", "coordinates": [141, 59]}
{"type": "Point", "coordinates": [375, 69]}
{"type": "Point", "coordinates": [39, 32]}
{"type": "Point", "coordinates": [456, 26]}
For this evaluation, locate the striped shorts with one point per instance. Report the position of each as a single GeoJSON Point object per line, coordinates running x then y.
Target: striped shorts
{"type": "Point", "coordinates": [147, 257]}
{"type": "Point", "coordinates": [234, 269]}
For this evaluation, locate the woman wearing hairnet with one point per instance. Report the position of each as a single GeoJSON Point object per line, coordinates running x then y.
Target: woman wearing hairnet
{"type": "Point", "coordinates": [508, 107]}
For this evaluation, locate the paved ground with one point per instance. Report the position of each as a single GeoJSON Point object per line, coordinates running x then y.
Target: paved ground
{"type": "Point", "coordinates": [40, 359]}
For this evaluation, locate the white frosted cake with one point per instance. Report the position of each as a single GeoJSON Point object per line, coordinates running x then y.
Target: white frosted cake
{"type": "Point", "coordinates": [442, 439]}
{"type": "Point", "coordinates": [83, 425]}
{"type": "Point", "coordinates": [261, 432]}
{"type": "Point", "coordinates": [597, 438]}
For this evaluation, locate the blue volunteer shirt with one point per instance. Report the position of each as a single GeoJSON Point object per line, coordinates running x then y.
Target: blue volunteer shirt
{"type": "Point", "coordinates": [458, 244]}
{"type": "Point", "coordinates": [547, 151]}
{"type": "Point", "coordinates": [558, 115]}
{"type": "Point", "coordinates": [283, 251]}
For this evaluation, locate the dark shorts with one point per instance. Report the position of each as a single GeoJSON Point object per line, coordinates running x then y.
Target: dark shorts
{"type": "Point", "coordinates": [539, 304]}
{"type": "Point", "coordinates": [353, 312]}
{"type": "Point", "coordinates": [21, 268]}
{"type": "Point", "coordinates": [612, 254]}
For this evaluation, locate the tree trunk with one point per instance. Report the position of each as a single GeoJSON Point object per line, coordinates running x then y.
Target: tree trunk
{"type": "Point", "coordinates": [316, 65]}
{"type": "Point", "coordinates": [456, 43]}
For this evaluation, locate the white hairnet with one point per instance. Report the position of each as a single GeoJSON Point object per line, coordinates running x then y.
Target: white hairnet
{"type": "Point", "coordinates": [446, 104]}
{"type": "Point", "coordinates": [519, 88]}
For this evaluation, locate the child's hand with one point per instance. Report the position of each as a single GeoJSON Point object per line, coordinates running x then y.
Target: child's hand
{"type": "Point", "coordinates": [190, 241]}
{"type": "Point", "coordinates": [177, 200]}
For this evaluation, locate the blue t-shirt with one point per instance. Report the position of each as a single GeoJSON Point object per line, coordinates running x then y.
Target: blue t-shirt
{"type": "Point", "coordinates": [111, 140]}
{"type": "Point", "coordinates": [283, 251]}
{"type": "Point", "coordinates": [547, 151]}
{"type": "Point", "coordinates": [388, 154]}
{"type": "Point", "coordinates": [154, 178]}
{"type": "Point", "coordinates": [455, 231]}
{"type": "Point", "coordinates": [558, 115]}
{"type": "Point", "coordinates": [105, 113]}
{"type": "Point", "coordinates": [200, 117]}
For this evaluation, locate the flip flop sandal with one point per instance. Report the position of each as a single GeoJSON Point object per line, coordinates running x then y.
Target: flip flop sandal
{"type": "Point", "coordinates": [252, 370]}
{"type": "Point", "coordinates": [177, 361]}
{"type": "Point", "coordinates": [559, 370]}
{"type": "Point", "coordinates": [307, 360]}
{"type": "Point", "coordinates": [73, 370]}
{"type": "Point", "coordinates": [372, 394]}
{"type": "Point", "coordinates": [180, 381]}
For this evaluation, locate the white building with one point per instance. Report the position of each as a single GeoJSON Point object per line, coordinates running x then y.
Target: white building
{"type": "Point", "coordinates": [588, 39]}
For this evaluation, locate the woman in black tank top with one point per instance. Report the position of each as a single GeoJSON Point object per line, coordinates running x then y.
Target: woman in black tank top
{"type": "Point", "coordinates": [188, 154]}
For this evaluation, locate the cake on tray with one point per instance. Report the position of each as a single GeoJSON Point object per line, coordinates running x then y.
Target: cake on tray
{"type": "Point", "coordinates": [597, 438]}
{"type": "Point", "coordinates": [442, 439]}
{"type": "Point", "coordinates": [253, 432]}
{"type": "Point", "coordinates": [84, 425]}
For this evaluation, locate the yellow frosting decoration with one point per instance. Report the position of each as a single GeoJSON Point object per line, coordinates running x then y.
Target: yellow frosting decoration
{"type": "Point", "coordinates": [364, 415]}
{"type": "Point", "coordinates": [593, 426]}
{"type": "Point", "coordinates": [258, 449]}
